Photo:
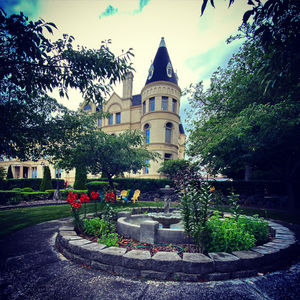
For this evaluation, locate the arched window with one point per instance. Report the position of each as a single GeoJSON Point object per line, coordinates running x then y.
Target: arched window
{"type": "Point", "coordinates": [147, 132]}
{"type": "Point", "coordinates": [168, 134]}
{"type": "Point", "coordinates": [87, 107]}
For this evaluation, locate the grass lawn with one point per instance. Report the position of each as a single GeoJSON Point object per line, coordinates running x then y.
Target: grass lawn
{"type": "Point", "coordinates": [18, 218]}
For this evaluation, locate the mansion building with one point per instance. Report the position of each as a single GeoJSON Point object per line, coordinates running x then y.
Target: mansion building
{"type": "Point", "coordinates": [155, 111]}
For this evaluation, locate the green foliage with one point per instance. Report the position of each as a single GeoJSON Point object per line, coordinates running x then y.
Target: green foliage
{"type": "Point", "coordinates": [46, 183]}
{"type": "Point", "coordinates": [9, 173]}
{"type": "Point", "coordinates": [110, 240]}
{"type": "Point", "coordinates": [255, 226]}
{"type": "Point", "coordinates": [111, 155]}
{"type": "Point", "coordinates": [16, 196]}
{"type": "Point", "coordinates": [233, 200]}
{"type": "Point", "coordinates": [34, 183]}
{"type": "Point", "coordinates": [196, 196]}
{"type": "Point", "coordinates": [144, 185]}
{"type": "Point", "coordinates": [109, 215]}
{"type": "Point", "coordinates": [95, 227]}
{"type": "Point", "coordinates": [80, 178]}
{"type": "Point", "coordinates": [98, 185]}
{"type": "Point", "coordinates": [25, 109]}
{"type": "Point", "coordinates": [172, 166]}
{"type": "Point", "coordinates": [27, 189]}
{"type": "Point", "coordinates": [226, 236]}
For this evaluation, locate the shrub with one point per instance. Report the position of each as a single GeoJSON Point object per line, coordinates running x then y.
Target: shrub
{"type": "Point", "coordinates": [9, 174]}
{"type": "Point", "coordinates": [46, 183]}
{"type": "Point", "coordinates": [226, 236]}
{"type": "Point", "coordinates": [27, 189]}
{"type": "Point", "coordinates": [80, 178]}
{"type": "Point", "coordinates": [98, 185]}
{"type": "Point", "coordinates": [95, 227]}
{"type": "Point", "coordinates": [34, 183]}
{"type": "Point", "coordinates": [16, 196]}
{"type": "Point", "coordinates": [110, 239]}
{"type": "Point", "coordinates": [256, 226]}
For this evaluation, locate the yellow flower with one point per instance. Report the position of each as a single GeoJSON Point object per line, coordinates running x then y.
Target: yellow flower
{"type": "Point", "coordinates": [212, 189]}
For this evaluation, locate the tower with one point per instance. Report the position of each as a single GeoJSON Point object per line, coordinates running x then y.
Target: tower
{"type": "Point", "coordinates": [160, 102]}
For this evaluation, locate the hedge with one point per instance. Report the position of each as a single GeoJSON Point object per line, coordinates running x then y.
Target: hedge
{"type": "Point", "coordinates": [144, 185]}
{"type": "Point", "coordinates": [33, 183]}
{"type": "Point", "coordinates": [248, 188]}
{"type": "Point", "coordinates": [99, 185]}
{"type": "Point", "coordinates": [15, 197]}
{"type": "Point", "coordinates": [65, 192]}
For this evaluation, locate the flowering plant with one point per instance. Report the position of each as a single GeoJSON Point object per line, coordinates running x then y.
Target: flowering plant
{"type": "Point", "coordinates": [75, 203]}
{"type": "Point", "coordinates": [84, 199]}
{"type": "Point", "coordinates": [109, 197]}
{"type": "Point", "coordinates": [95, 197]}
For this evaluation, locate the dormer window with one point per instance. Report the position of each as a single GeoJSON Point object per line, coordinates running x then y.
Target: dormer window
{"type": "Point", "coordinates": [169, 69]}
{"type": "Point", "coordinates": [151, 70]}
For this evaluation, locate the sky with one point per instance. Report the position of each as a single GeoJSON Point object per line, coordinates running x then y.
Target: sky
{"type": "Point", "coordinates": [196, 44]}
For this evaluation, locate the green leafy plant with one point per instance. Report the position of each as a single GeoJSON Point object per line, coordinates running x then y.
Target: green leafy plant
{"type": "Point", "coordinates": [110, 239]}
{"type": "Point", "coordinates": [235, 208]}
{"type": "Point", "coordinates": [227, 236]}
{"type": "Point", "coordinates": [9, 174]}
{"type": "Point", "coordinates": [46, 183]}
{"type": "Point", "coordinates": [80, 178]}
{"type": "Point", "coordinates": [96, 227]}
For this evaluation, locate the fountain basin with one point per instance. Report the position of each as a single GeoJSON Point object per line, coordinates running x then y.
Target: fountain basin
{"type": "Point", "coordinates": [143, 229]}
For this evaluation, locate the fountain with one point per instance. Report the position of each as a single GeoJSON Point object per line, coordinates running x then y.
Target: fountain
{"type": "Point", "coordinates": [166, 218]}
{"type": "Point", "coordinates": [145, 227]}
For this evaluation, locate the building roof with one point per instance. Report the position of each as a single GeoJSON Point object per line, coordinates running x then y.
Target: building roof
{"type": "Point", "coordinates": [136, 100]}
{"type": "Point", "coordinates": [161, 69]}
{"type": "Point", "coordinates": [181, 130]}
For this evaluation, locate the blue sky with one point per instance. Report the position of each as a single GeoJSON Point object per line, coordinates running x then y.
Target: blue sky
{"type": "Point", "coordinates": [196, 45]}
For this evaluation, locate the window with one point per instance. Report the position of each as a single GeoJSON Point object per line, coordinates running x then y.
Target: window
{"type": "Point", "coordinates": [111, 120]}
{"type": "Point", "coordinates": [147, 167]}
{"type": "Point", "coordinates": [57, 173]}
{"type": "Point", "coordinates": [34, 172]}
{"type": "Point", "coordinates": [87, 107]}
{"type": "Point", "coordinates": [118, 118]}
{"type": "Point", "coordinates": [152, 104]}
{"type": "Point", "coordinates": [144, 107]}
{"type": "Point", "coordinates": [169, 127]}
{"type": "Point", "coordinates": [167, 156]}
{"type": "Point", "coordinates": [169, 69]}
{"type": "Point", "coordinates": [99, 122]}
{"type": "Point", "coordinates": [164, 103]}
{"type": "Point", "coordinates": [174, 106]}
{"type": "Point", "coordinates": [147, 132]}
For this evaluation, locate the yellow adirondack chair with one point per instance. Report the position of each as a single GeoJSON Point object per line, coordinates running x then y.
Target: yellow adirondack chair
{"type": "Point", "coordinates": [122, 195]}
{"type": "Point", "coordinates": [135, 196]}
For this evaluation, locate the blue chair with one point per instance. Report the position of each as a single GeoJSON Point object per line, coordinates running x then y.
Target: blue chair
{"type": "Point", "coordinates": [101, 196]}
{"type": "Point", "coordinates": [129, 196]}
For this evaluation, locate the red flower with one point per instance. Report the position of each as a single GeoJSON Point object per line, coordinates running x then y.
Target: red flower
{"type": "Point", "coordinates": [84, 198]}
{"type": "Point", "coordinates": [72, 199]}
{"type": "Point", "coordinates": [109, 197]}
{"type": "Point", "coordinates": [95, 195]}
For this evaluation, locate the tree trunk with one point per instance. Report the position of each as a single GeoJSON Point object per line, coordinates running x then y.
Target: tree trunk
{"type": "Point", "coordinates": [248, 172]}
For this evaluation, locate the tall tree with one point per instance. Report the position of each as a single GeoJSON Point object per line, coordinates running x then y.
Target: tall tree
{"type": "Point", "coordinates": [99, 152]}
{"type": "Point", "coordinates": [9, 173]}
{"type": "Point", "coordinates": [80, 178]}
{"type": "Point", "coordinates": [31, 65]}
{"type": "Point", "coordinates": [46, 183]}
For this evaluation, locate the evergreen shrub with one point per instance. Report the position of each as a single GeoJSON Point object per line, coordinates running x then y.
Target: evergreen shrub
{"type": "Point", "coordinates": [99, 185]}
{"type": "Point", "coordinates": [9, 174]}
{"type": "Point", "coordinates": [80, 178]}
{"type": "Point", "coordinates": [33, 183]}
{"type": "Point", "coordinates": [46, 183]}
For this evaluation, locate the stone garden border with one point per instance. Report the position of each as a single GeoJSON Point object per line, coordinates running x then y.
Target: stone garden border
{"type": "Point", "coordinates": [170, 266]}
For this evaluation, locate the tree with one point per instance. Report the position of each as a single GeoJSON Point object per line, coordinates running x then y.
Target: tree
{"type": "Point", "coordinates": [80, 178]}
{"type": "Point", "coordinates": [31, 66]}
{"type": "Point", "coordinates": [99, 152]}
{"type": "Point", "coordinates": [46, 183]}
{"type": "Point", "coordinates": [9, 173]}
{"type": "Point", "coordinates": [172, 166]}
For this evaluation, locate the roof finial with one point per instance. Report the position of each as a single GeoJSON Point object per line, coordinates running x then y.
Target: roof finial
{"type": "Point", "coordinates": [162, 42]}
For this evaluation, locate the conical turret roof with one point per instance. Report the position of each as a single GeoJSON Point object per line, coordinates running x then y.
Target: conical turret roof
{"type": "Point", "coordinates": [161, 69]}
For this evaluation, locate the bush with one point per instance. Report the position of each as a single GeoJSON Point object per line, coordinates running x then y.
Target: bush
{"type": "Point", "coordinates": [226, 236]}
{"type": "Point", "coordinates": [16, 196]}
{"type": "Point", "coordinates": [33, 183]}
{"type": "Point", "coordinates": [46, 183]}
{"type": "Point", "coordinates": [9, 174]}
{"type": "Point", "coordinates": [80, 178]}
{"type": "Point", "coordinates": [95, 227]}
{"type": "Point", "coordinates": [256, 226]}
{"type": "Point", "coordinates": [98, 185]}
{"type": "Point", "coordinates": [144, 185]}
{"type": "Point", "coordinates": [27, 189]}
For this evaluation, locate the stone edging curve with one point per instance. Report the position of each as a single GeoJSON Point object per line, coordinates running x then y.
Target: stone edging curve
{"type": "Point", "coordinates": [170, 266]}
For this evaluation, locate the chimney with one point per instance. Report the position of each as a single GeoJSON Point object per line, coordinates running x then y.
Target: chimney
{"type": "Point", "coordinates": [127, 86]}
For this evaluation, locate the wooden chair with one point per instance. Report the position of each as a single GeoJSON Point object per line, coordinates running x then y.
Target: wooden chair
{"type": "Point", "coordinates": [122, 195]}
{"type": "Point", "coordinates": [129, 196]}
{"type": "Point", "coordinates": [135, 196]}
